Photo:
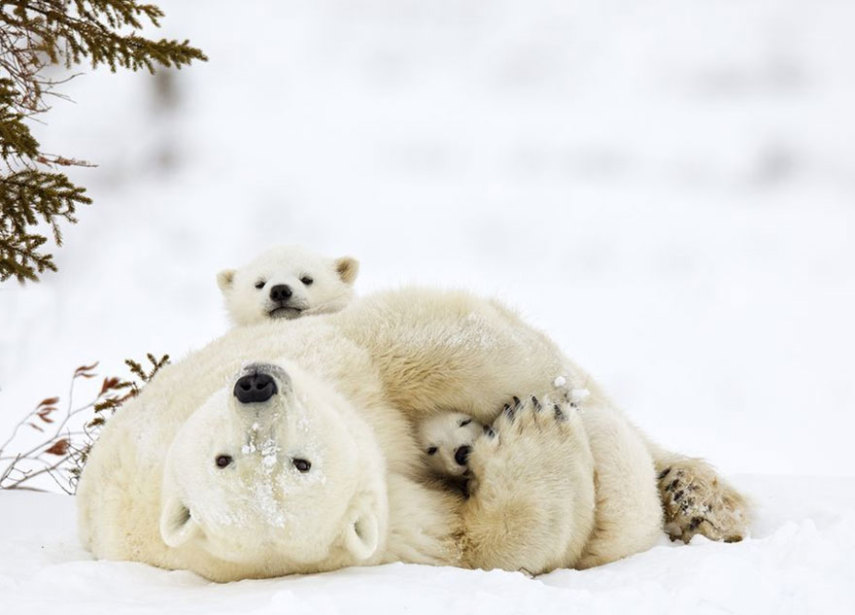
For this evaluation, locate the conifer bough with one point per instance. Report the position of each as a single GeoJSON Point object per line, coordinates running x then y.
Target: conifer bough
{"type": "Point", "coordinates": [33, 35]}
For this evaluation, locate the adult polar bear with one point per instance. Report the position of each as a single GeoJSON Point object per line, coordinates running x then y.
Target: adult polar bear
{"type": "Point", "coordinates": [289, 448]}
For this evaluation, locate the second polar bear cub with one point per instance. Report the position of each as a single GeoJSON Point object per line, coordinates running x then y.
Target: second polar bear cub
{"type": "Point", "coordinates": [446, 440]}
{"type": "Point", "coordinates": [287, 282]}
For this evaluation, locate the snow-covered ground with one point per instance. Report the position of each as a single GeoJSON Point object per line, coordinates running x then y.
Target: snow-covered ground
{"type": "Point", "coordinates": [800, 560]}
{"type": "Point", "coordinates": [667, 188]}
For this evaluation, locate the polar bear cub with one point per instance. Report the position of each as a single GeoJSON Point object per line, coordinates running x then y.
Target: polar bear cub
{"type": "Point", "coordinates": [446, 441]}
{"type": "Point", "coordinates": [287, 282]}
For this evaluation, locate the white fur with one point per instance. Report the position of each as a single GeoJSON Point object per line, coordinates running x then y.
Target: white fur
{"type": "Point", "coordinates": [329, 288]}
{"type": "Point", "coordinates": [547, 493]}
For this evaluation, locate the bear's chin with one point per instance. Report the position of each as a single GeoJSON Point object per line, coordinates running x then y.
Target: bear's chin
{"type": "Point", "coordinates": [289, 313]}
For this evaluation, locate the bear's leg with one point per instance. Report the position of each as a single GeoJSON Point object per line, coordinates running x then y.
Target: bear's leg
{"type": "Point", "coordinates": [629, 515]}
{"type": "Point", "coordinates": [531, 504]}
{"type": "Point", "coordinates": [696, 500]}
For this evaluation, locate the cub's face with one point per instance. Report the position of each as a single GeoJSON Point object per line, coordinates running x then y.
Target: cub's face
{"type": "Point", "coordinates": [287, 282]}
{"type": "Point", "coordinates": [275, 470]}
{"type": "Point", "coordinates": [446, 440]}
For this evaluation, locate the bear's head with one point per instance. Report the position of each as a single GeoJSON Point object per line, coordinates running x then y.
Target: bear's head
{"type": "Point", "coordinates": [446, 440]}
{"type": "Point", "coordinates": [276, 473]}
{"type": "Point", "coordinates": [287, 282]}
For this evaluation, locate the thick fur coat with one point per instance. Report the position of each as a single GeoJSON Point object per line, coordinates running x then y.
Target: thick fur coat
{"type": "Point", "coordinates": [327, 472]}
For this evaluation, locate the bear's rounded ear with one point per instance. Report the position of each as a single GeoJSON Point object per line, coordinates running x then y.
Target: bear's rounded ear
{"type": "Point", "coordinates": [362, 534]}
{"type": "Point", "coordinates": [225, 279]}
{"type": "Point", "coordinates": [177, 525]}
{"type": "Point", "coordinates": [347, 268]}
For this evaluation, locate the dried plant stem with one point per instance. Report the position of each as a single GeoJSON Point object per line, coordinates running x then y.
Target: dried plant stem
{"type": "Point", "coordinates": [62, 454]}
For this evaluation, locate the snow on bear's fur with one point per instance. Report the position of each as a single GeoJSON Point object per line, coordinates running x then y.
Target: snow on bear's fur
{"type": "Point", "coordinates": [287, 282]}
{"type": "Point", "coordinates": [284, 449]}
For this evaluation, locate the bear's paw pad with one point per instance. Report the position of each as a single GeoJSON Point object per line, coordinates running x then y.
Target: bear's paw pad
{"type": "Point", "coordinates": [696, 501]}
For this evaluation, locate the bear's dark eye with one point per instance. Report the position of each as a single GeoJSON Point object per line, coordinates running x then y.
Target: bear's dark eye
{"type": "Point", "coordinates": [306, 280]}
{"type": "Point", "coordinates": [223, 460]}
{"type": "Point", "coordinates": [302, 464]}
{"type": "Point", "coordinates": [465, 422]}
{"type": "Point", "coordinates": [432, 450]}
{"type": "Point", "coordinates": [260, 284]}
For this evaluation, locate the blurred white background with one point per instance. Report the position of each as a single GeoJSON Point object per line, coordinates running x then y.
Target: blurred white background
{"type": "Point", "coordinates": [667, 188]}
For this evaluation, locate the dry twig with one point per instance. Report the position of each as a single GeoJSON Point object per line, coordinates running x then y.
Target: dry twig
{"type": "Point", "coordinates": [63, 451]}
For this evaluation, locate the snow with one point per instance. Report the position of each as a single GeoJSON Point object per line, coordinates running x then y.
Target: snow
{"type": "Point", "coordinates": [666, 188]}
{"type": "Point", "coordinates": [269, 451]}
{"type": "Point", "coordinates": [579, 395]}
{"type": "Point", "coordinates": [800, 560]}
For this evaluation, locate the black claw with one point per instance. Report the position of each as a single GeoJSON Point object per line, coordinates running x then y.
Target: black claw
{"type": "Point", "coordinates": [537, 405]}
{"type": "Point", "coordinates": [510, 411]}
{"type": "Point", "coordinates": [559, 415]}
{"type": "Point", "coordinates": [664, 473]}
{"type": "Point", "coordinates": [672, 485]}
{"type": "Point", "coordinates": [517, 401]}
{"type": "Point", "coordinates": [488, 431]}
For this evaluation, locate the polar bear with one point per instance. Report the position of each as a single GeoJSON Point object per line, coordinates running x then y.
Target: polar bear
{"type": "Point", "coordinates": [287, 282]}
{"type": "Point", "coordinates": [279, 450]}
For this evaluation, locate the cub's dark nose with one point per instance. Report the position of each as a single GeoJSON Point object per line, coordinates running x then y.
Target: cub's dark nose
{"type": "Point", "coordinates": [254, 388]}
{"type": "Point", "coordinates": [461, 455]}
{"type": "Point", "coordinates": [280, 292]}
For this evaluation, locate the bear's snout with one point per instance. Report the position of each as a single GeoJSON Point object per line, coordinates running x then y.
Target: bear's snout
{"type": "Point", "coordinates": [461, 455]}
{"type": "Point", "coordinates": [255, 388]}
{"type": "Point", "coordinates": [280, 292]}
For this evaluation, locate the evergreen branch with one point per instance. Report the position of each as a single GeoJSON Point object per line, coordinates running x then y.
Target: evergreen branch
{"type": "Point", "coordinates": [27, 198]}
{"type": "Point", "coordinates": [33, 34]}
{"type": "Point", "coordinates": [15, 136]}
{"type": "Point", "coordinates": [93, 30]}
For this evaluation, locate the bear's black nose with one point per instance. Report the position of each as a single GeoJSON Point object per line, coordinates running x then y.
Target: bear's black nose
{"type": "Point", "coordinates": [280, 292]}
{"type": "Point", "coordinates": [461, 455]}
{"type": "Point", "coordinates": [254, 388]}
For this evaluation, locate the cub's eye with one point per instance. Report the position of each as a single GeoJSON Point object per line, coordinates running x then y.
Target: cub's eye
{"type": "Point", "coordinates": [465, 422]}
{"type": "Point", "coordinates": [302, 464]}
{"type": "Point", "coordinates": [306, 280]}
{"type": "Point", "coordinates": [223, 460]}
{"type": "Point", "coordinates": [432, 450]}
{"type": "Point", "coordinates": [260, 284]}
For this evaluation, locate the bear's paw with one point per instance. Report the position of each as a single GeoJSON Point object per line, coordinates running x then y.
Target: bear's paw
{"type": "Point", "coordinates": [530, 473]}
{"type": "Point", "coordinates": [696, 500]}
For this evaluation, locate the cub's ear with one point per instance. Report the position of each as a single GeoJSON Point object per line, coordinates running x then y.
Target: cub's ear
{"type": "Point", "coordinates": [177, 525]}
{"type": "Point", "coordinates": [225, 279]}
{"type": "Point", "coordinates": [347, 268]}
{"type": "Point", "coordinates": [362, 533]}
